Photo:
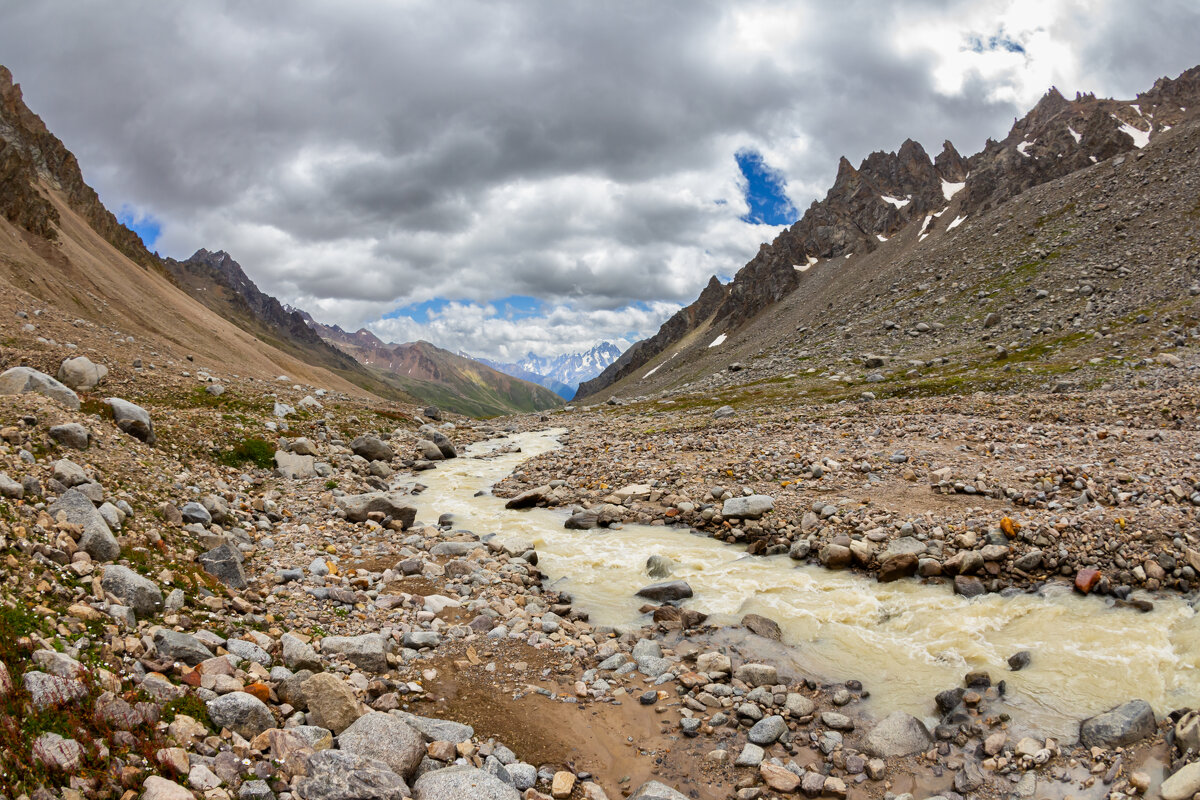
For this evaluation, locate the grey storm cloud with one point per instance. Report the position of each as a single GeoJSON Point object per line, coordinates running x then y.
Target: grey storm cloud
{"type": "Point", "coordinates": [357, 157]}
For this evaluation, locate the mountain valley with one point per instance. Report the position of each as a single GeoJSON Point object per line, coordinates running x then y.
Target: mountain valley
{"type": "Point", "coordinates": [908, 509]}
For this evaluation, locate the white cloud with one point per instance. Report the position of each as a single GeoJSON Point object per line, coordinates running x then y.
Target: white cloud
{"type": "Point", "coordinates": [357, 158]}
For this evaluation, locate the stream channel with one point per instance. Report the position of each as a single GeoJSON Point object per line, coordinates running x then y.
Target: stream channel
{"type": "Point", "coordinates": [904, 640]}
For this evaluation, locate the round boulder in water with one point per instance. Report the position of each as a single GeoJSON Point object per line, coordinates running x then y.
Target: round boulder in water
{"type": "Point", "coordinates": [666, 592]}
{"type": "Point", "coordinates": [659, 566]}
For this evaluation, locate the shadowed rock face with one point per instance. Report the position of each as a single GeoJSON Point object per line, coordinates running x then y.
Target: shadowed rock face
{"type": "Point", "coordinates": [888, 192]}
{"type": "Point", "coordinates": [29, 150]}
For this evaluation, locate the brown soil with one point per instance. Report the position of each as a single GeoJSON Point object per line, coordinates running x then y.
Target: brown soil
{"type": "Point", "coordinates": [623, 744]}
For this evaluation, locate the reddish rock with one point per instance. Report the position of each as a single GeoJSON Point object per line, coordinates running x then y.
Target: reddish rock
{"type": "Point", "coordinates": [1086, 579]}
{"type": "Point", "coordinates": [259, 690]}
{"type": "Point", "coordinates": [897, 567]}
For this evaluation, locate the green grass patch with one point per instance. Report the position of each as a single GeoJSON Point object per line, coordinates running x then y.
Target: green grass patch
{"type": "Point", "coordinates": [253, 450]}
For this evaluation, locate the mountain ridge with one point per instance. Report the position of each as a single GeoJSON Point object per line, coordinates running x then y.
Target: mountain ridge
{"type": "Point", "coordinates": [438, 376]}
{"type": "Point", "coordinates": [891, 192]}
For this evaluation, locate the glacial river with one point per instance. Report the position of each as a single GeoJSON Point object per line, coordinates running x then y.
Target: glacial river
{"type": "Point", "coordinates": [904, 640]}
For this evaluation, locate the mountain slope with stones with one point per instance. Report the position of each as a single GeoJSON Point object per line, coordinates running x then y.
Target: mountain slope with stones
{"type": "Point", "coordinates": [883, 212]}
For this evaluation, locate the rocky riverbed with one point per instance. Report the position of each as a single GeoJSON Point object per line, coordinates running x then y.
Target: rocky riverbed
{"type": "Point", "coordinates": [987, 492]}
{"type": "Point", "coordinates": [219, 593]}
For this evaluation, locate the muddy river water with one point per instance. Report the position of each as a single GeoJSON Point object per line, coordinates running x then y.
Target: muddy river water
{"type": "Point", "coordinates": [904, 640]}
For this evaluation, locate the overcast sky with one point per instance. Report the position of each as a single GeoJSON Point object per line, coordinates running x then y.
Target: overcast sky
{"type": "Point", "coordinates": [500, 177]}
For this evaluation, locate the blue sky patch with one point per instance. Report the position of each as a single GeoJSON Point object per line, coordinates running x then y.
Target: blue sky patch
{"type": "Point", "coordinates": [144, 225]}
{"type": "Point", "coordinates": [997, 41]}
{"type": "Point", "coordinates": [764, 191]}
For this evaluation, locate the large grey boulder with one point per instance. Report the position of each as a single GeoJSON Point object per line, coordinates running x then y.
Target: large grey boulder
{"type": "Point", "coordinates": [97, 540]}
{"type": "Point", "coordinates": [50, 691]}
{"type": "Point", "coordinates": [443, 443]}
{"type": "Point", "coordinates": [338, 775]}
{"type": "Point", "coordinates": [72, 434]}
{"type": "Point", "coordinates": [443, 730]}
{"type": "Point", "coordinates": [767, 730]}
{"type": "Point", "coordinates": [298, 654]}
{"type": "Point", "coordinates": [20, 380]}
{"type": "Point", "coordinates": [657, 791]}
{"type": "Point", "coordinates": [194, 512]}
{"type": "Point", "coordinates": [384, 738]}
{"type": "Point", "coordinates": [392, 504]}
{"type": "Point", "coordinates": [368, 651]}
{"type": "Point", "coordinates": [294, 466]}
{"type": "Point", "coordinates": [752, 507]}
{"type": "Point", "coordinates": [897, 734]}
{"type": "Point", "coordinates": [242, 713]}
{"type": "Point", "coordinates": [225, 564]}
{"type": "Point", "coordinates": [1119, 727]}
{"type": "Point", "coordinates": [132, 419]}
{"type": "Point", "coordinates": [665, 592]}
{"type": "Point", "coordinates": [249, 651]}
{"type": "Point", "coordinates": [372, 449]}
{"type": "Point", "coordinates": [132, 589]}
{"type": "Point", "coordinates": [81, 374]}
{"type": "Point", "coordinates": [180, 647]}
{"type": "Point", "coordinates": [460, 782]}
{"type": "Point", "coordinates": [68, 473]}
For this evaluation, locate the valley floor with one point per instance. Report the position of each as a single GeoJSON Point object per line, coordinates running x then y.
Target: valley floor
{"type": "Point", "coordinates": [333, 636]}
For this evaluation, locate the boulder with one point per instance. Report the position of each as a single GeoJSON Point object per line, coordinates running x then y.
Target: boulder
{"type": "Point", "coordinates": [658, 566]}
{"type": "Point", "coordinates": [757, 674]}
{"type": "Point", "coordinates": [384, 738]}
{"type": "Point", "coordinates": [331, 702]}
{"type": "Point", "coordinates": [68, 473]}
{"type": "Point", "coordinates": [181, 647]}
{"type": "Point", "coordinates": [242, 713]}
{"type": "Point", "coordinates": [156, 788]}
{"type": "Point", "coordinates": [666, 592]}
{"type": "Point", "coordinates": [903, 565]}
{"type": "Point", "coordinates": [1120, 726]}
{"type": "Point", "coordinates": [654, 790]}
{"type": "Point", "coordinates": [763, 626]}
{"type": "Point", "coordinates": [72, 434]}
{"type": "Point", "coordinates": [528, 499]}
{"type": "Point", "coordinates": [298, 654]}
{"type": "Point", "coordinates": [1183, 784]}
{"type": "Point", "coordinates": [132, 419]}
{"type": "Point", "coordinates": [196, 513]}
{"type": "Point", "coordinates": [132, 590]}
{"type": "Point", "coordinates": [429, 450]}
{"type": "Point", "coordinates": [391, 504]}
{"type": "Point", "coordinates": [461, 782]}
{"type": "Point", "coordinates": [57, 753]}
{"type": "Point", "coordinates": [303, 446]}
{"type": "Point", "coordinates": [294, 466]}
{"type": "Point", "coordinates": [583, 521]}
{"type": "Point", "coordinates": [81, 374]}
{"type": "Point", "coordinates": [337, 775]}
{"type": "Point", "coordinates": [97, 540]}
{"type": "Point", "coordinates": [752, 507]}
{"type": "Point", "coordinates": [767, 730]}
{"type": "Point", "coordinates": [368, 651]}
{"type": "Point", "coordinates": [225, 564]}
{"type": "Point", "coordinates": [443, 444]}
{"type": "Point", "coordinates": [897, 734]}
{"type": "Point", "coordinates": [20, 380]}
{"type": "Point", "coordinates": [835, 556]}
{"type": "Point", "coordinates": [372, 449]}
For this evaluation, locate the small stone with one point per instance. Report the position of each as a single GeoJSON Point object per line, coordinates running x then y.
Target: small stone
{"type": "Point", "coordinates": [562, 785]}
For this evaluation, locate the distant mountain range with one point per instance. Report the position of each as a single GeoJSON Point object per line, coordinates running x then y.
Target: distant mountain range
{"type": "Point", "coordinates": [560, 374]}
{"type": "Point", "coordinates": [438, 376]}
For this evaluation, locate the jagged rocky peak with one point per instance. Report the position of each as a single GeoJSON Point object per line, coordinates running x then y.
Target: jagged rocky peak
{"type": "Point", "coordinates": [950, 165]}
{"type": "Point", "coordinates": [889, 194]}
